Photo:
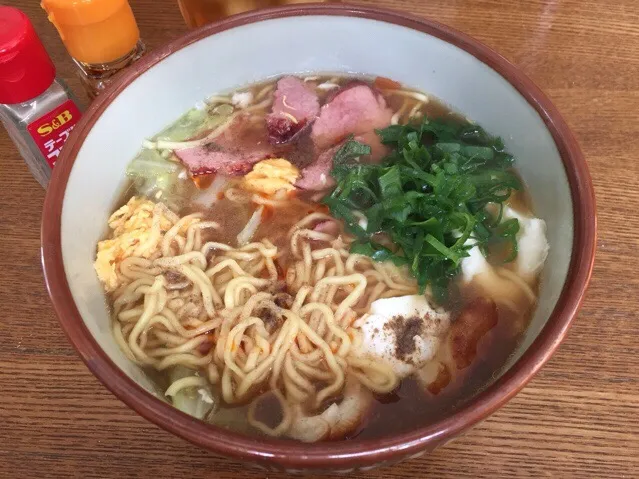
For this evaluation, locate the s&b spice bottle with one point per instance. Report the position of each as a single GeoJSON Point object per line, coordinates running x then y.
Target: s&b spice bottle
{"type": "Point", "coordinates": [36, 108]}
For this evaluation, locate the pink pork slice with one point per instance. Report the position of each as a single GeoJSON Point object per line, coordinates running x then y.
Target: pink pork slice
{"type": "Point", "coordinates": [317, 176]}
{"type": "Point", "coordinates": [355, 110]}
{"type": "Point", "coordinates": [295, 107]}
{"type": "Point", "coordinates": [232, 154]}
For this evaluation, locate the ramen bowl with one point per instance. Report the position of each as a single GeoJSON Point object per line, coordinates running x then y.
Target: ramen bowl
{"type": "Point", "coordinates": [465, 74]}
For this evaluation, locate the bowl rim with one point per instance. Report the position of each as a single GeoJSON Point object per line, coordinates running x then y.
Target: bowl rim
{"type": "Point", "coordinates": [331, 455]}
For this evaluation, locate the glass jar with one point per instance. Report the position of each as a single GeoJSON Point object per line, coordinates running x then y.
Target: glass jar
{"type": "Point", "coordinates": [200, 12]}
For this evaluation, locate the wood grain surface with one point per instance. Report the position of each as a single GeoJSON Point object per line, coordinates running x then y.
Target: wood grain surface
{"type": "Point", "coordinates": [578, 418]}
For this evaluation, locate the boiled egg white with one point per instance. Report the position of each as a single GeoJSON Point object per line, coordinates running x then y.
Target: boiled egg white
{"type": "Point", "coordinates": [403, 332]}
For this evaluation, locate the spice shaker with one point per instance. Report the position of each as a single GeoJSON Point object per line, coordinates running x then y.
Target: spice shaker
{"type": "Point", "coordinates": [101, 36]}
{"type": "Point", "coordinates": [36, 108]}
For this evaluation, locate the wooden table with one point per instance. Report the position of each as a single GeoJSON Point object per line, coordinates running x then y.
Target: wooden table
{"type": "Point", "coordinates": [579, 417]}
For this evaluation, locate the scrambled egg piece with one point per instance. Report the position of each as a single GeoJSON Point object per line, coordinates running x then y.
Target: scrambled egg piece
{"type": "Point", "coordinates": [269, 176]}
{"type": "Point", "coordinates": [138, 228]}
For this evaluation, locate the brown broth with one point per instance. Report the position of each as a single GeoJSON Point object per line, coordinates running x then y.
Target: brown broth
{"type": "Point", "coordinates": [409, 405]}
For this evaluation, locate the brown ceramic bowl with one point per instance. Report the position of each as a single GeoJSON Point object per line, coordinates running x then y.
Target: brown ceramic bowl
{"type": "Point", "coordinates": [454, 67]}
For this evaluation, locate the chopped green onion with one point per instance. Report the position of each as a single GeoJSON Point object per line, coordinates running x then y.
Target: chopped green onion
{"type": "Point", "coordinates": [429, 195]}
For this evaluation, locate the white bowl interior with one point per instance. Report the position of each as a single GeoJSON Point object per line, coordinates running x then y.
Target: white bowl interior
{"type": "Point", "coordinates": [327, 44]}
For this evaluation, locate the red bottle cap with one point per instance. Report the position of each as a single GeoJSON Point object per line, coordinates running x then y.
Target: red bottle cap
{"type": "Point", "coordinates": [26, 70]}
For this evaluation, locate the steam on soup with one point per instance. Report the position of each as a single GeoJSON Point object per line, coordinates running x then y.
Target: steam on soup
{"type": "Point", "coordinates": [318, 258]}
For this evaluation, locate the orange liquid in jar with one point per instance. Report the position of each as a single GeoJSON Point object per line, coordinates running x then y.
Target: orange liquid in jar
{"type": "Point", "coordinates": [200, 12]}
